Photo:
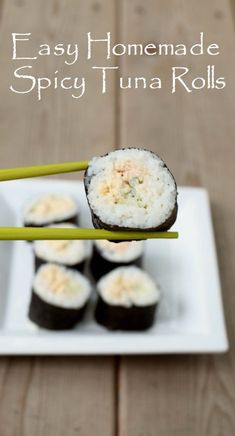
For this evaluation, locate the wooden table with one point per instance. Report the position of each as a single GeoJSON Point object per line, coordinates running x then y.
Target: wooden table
{"type": "Point", "coordinates": [125, 396]}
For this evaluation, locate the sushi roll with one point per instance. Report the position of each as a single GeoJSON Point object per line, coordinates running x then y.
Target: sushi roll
{"type": "Point", "coordinates": [59, 297]}
{"type": "Point", "coordinates": [131, 189]}
{"type": "Point", "coordinates": [109, 255]}
{"type": "Point", "coordinates": [50, 209]}
{"type": "Point", "coordinates": [70, 253]}
{"type": "Point", "coordinates": [127, 299]}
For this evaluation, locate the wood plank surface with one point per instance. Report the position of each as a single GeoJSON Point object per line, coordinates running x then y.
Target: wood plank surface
{"type": "Point", "coordinates": [184, 395]}
{"type": "Point", "coordinates": [129, 396]}
{"type": "Point", "coordinates": [55, 396]}
{"type": "Point", "coordinates": [58, 127]}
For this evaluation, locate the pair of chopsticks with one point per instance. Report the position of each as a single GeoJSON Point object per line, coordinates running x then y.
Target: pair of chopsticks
{"type": "Point", "coordinates": [32, 233]}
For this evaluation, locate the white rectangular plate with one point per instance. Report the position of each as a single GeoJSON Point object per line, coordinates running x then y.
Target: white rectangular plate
{"type": "Point", "coordinates": [190, 316]}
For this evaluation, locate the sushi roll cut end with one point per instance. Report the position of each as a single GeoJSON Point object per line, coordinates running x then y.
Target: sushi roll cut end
{"type": "Point", "coordinates": [109, 255]}
{"type": "Point", "coordinates": [127, 299]}
{"type": "Point", "coordinates": [59, 297]}
{"type": "Point", "coordinates": [124, 252]}
{"type": "Point", "coordinates": [50, 208]}
{"type": "Point", "coordinates": [131, 189]}
{"type": "Point", "coordinates": [71, 253]}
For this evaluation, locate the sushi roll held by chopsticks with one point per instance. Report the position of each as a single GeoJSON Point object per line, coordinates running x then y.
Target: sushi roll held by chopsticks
{"type": "Point", "coordinates": [127, 299]}
{"type": "Point", "coordinates": [59, 297]}
{"type": "Point", "coordinates": [131, 189]}
{"type": "Point", "coordinates": [131, 193]}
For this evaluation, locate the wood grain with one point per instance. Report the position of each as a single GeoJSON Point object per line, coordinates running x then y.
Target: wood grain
{"type": "Point", "coordinates": [55, 396]}
{"type": "Point", "coordinates": [58, 127]}
{"type": "Point", "coordinates": [232, 4]}
{"type": "Point", "coordinates": [188, 395]}
{"type": "Point", "coordinates": [1, 9]}
{"type": "Point", "coordinates": [132, 396]}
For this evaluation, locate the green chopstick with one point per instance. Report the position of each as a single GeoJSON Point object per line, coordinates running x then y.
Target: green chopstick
{"type": "Point", "coordinates": [32, 233]}
{"type": "Point", "coordinates": [42, 170]}
{"type": "Point", "coordinates": [44, 233]}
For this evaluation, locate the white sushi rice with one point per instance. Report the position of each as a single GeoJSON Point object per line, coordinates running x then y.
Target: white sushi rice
{"type": "Point", "coordinates": [121, 252]}
{"type": "Point", "coordinates": [50, 208]}
{"type": "Point", "coordinates": [68, 252]}
{"type": "Point", "coordinates": [127, 286]}
{"type": "Point", "coordinates": [131, 188]}
{"type": "Point", "coordinates": [61, 286]}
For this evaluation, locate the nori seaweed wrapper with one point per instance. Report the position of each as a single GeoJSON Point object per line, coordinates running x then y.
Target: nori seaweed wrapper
{"type": "Point", "coordinates": [53, 317]}
{"type": "Point", "coordinates": [99, 265]}
{"type": "Point", "coordinates": [116, 317]}
{"type": "Point", "coordinates": [99, 224]}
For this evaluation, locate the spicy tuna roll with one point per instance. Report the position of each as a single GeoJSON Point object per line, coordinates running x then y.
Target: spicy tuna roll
{"type": "Point", "coordinates": [59, 297]}
{"type": "Point", "coordinates": [109, 255]}
{"type": "Point", "coordinates": [70, 253]}
{"type": "Point", "coordinates": [131, 189]}
{"type": "Point", "coordinates": [50, 209]}
{"type": "Point", "coordinates": [127, 299]}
